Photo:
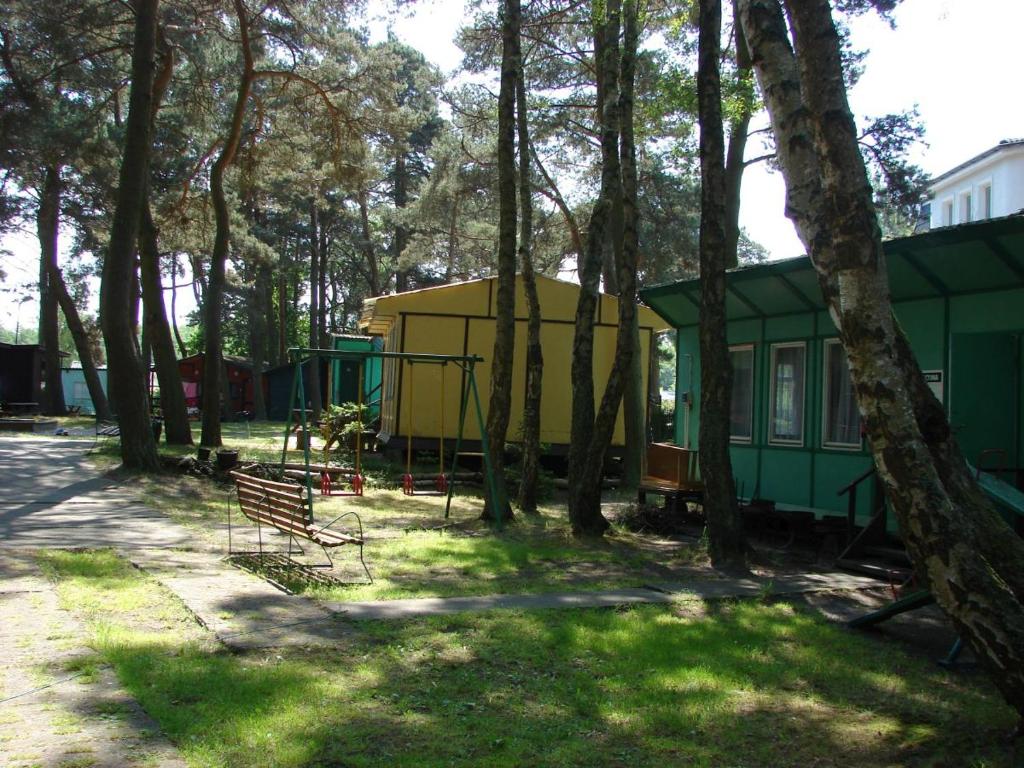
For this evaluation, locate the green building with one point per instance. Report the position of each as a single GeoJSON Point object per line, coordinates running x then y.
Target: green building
{"type": "Point", "coordinates": [958, 293]}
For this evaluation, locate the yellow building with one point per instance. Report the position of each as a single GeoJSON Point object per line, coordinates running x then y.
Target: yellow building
{"type": "Point", "coordinates": [459, 319]}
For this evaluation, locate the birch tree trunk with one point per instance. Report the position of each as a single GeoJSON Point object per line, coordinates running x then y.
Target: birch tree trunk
{"type": "Point", "coordinates": [967, 555]}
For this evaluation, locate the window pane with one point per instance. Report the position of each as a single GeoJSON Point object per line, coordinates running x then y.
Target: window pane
{"type": "Point", "coordinates": [843, 418]}
{"type": "Point", "coordinates": [741, 412]}
{"type": "Point", "coordinates": [787, 422]}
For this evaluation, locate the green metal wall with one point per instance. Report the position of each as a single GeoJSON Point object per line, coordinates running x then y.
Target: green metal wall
{"type": "Point", "coordinates": [809, 476]}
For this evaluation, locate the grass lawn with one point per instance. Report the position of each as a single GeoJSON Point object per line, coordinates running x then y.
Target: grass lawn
{"type": "Point", "coordinates": [743, 684]}
{"type": "Point", "coordinates": [410, 551]}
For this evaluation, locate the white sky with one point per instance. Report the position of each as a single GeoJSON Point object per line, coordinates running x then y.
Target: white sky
{"type": "Point", "coordinates": [958, 61]}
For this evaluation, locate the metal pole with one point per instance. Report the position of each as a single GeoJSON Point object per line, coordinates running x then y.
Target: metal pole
{"type": "Point", "coordinates": [464, 401]}
{"type": "Point", "coordinates": [359, 418]}
{"type": "Point", "coordinates": [496, 501]}
{"type": "Point", "coordinates": [307, 440]}
{"type": "Point", "coordinates": [440, 439]}
{"type": "Point", "coordinates": [288, 420]}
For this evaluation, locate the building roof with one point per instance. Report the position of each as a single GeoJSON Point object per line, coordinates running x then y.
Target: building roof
{"type": "Point", "coordinates": [233, 360]}
{"type": "Point", "coordinates": [470, 299]}
{"type": "Point", "coordinates": [968, 258]}
{"type": "Point", "coordinates": [1000, 147]}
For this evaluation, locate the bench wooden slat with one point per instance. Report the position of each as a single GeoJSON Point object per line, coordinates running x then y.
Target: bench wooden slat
{"type": "Point", "coordinates": [334, 539]}
{"type": "Point", "coordinates": [285, 507]}
{"type": "Point", "coordinates": [271, 500]}
{"type": "Point", "coordinates": [264, 515]}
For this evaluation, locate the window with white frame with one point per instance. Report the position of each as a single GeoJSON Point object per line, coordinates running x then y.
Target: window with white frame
{"type": "Point", "coordinates": [985, 201]}
{"type": "Point", "coordinates": [841, 419]}
{"type": "Point", "coordinates": [786, 417]}
{"type": "Point", "coordinates": [965, 208]}
{"type": "Point", "coordinates": [947, 213]}
{"type": "Point", "coordinates": [741, 410]}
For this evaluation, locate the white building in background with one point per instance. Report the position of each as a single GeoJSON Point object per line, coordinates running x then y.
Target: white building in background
{"type": "Point", "coordinates": [985, 187]}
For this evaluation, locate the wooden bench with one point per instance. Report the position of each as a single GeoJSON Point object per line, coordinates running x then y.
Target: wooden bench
{"type": "Point", "coordinates": [672, 472]}
{"type": "Point", "coordinates": [287, 508]}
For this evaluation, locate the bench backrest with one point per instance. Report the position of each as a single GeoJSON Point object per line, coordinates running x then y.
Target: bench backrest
{"type": "Point", "coordinates": [673, 464]}
{"type": "Point", "coordinates": [281, 505]}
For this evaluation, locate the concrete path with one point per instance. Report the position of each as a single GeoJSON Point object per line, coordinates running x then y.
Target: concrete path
{"type": "Point", "coordinates": [243, 611]}
{"type": "Point", "coordinates": [51, 497]}
{"type": "Point", "coordinates": [55, 499]}
{"type": "Point", "coordinates": [57, 707]}
{"type": "Point", "coordinates": [710, 589]}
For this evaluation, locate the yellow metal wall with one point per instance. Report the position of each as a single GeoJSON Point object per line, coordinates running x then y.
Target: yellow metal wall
{"type": "Point", "coordinates": [440, 321]}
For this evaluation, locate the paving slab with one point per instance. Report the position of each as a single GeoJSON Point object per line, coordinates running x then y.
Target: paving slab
{"type": "Point", "coordinates": [440, 606]}
{"type": "Point", "coordinates": [790, 584]}
{"type": "Point", "coordinates": [244, 612]}
{"type": "Point", "coordinates": [709, 589]}
{"type": "Point", "coordinates": [51, 497]}
{"type": "Point", "coordinates": [50, 712]}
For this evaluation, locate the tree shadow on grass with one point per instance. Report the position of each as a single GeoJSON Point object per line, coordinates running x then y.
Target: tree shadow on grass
{"type": "Point", "coordinates": [746, 684]}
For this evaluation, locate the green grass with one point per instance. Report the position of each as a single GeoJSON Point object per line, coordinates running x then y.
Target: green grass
{"type": "Point", "coordinates": [411, 554]}
{"type": "Point", "coordinates": [746, 684]}
{"type": "Point", "coordinates": [412, 550]}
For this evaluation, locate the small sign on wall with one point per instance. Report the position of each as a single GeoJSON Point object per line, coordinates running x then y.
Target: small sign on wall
{"type": "Point", "coordinates": [934, 381]}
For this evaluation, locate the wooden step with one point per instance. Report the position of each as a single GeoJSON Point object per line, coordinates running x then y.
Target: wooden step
{"type": "Point", "coordinates": [893, 555]}
{"type": "Point", "coordinates": [875, 570]}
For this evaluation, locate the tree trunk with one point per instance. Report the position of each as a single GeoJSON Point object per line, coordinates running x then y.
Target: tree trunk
{"type": "Point", "coordinates": [266, 303]}
{"type": "Point", "coordinates": [214, 300]}
{"type": "Point", "coordinates": [282, 311]}
{"type": "Point", "coordinates": [258, 341]}
{"type": "Point", "coordinates": [182, 350]}
{"type": "Point", "coordinates": [500, 403]}
{"type": "Point", "coordinates": [126, 377]}
{"type": "Point", "coordinates": [734, 156]}
{"type": "Point", "coordinates": [634, 399]}
{"type": "Point", "coordinates": [372, 266]}
{"type": "Point", "coordinates": [725, 526]}
{"type": "Point", "coordinates": [313, 384]}
{"type": "Point", "coordinates": [177, 430]}
{"type": "Point", "coordinates": [83, 344]}
{"type": "Point", "coordinates": [47, 228]}
{"type": "Point", "coordinates": [325, 245]}
{"type": "Point", "coordinates": [534, 353]}
{"type": "Point", "coordinates": [401, 236]}
{"type": "Point", "coordinates": [966, 554]}
{"type": "Point", "coordinates": [586, 448]}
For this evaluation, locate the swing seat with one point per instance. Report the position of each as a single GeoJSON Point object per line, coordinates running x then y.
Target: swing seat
{"type": "Point", "coordinates": [287, 508]}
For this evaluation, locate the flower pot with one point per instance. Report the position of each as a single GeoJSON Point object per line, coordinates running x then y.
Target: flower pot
{"type": "Point", "coordinates": [226, 459]}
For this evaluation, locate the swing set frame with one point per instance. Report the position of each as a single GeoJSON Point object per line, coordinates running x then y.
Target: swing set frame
{"type": "Point", "coordinates": [466, 363]}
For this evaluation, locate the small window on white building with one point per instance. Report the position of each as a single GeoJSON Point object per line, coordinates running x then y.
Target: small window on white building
{"type": "Point", "coordinates": [947, 213]}
{"type": "Point", "coordinates": [985, 201]}
{"type": "Point", "coordinates": [965, 208]}
{"type": "Point", "coordinates": [786, 420]}
{"type": "Point", "coordinates": [741, 411]}
{"type": "Point", "coordinates": [841, 428]}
